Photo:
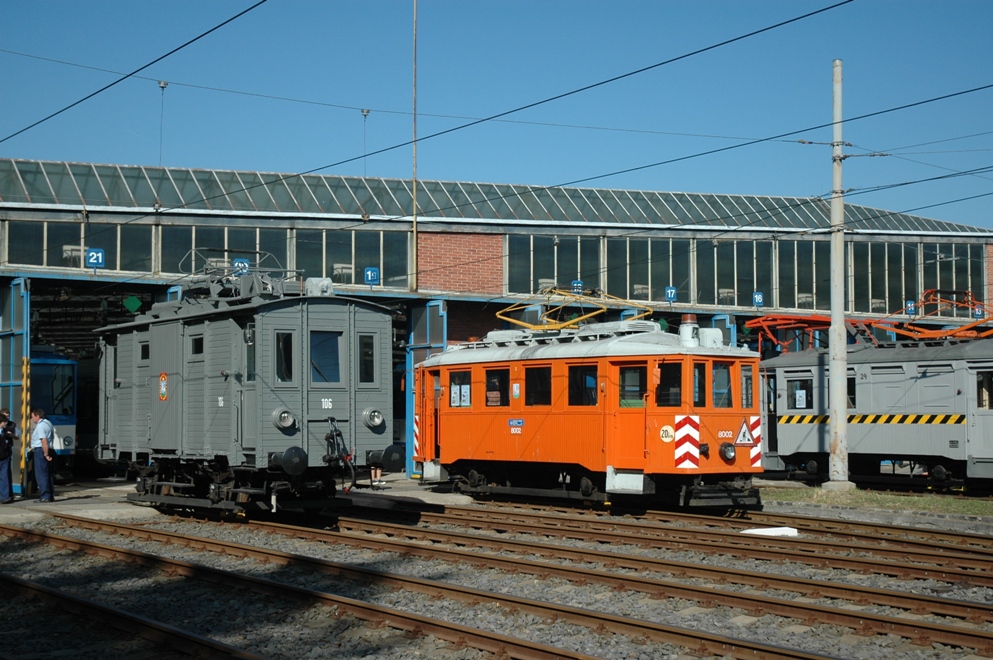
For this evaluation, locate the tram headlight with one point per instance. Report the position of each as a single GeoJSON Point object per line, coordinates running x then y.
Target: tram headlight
{"type": "Point", "coordinates": [728, 451]}
{"type": "Point", "coordinates": [68, 442]}
{"type": "Point", "coordinates": [283, 419]}
{"type": "Point", "coordinates": [373, 418]}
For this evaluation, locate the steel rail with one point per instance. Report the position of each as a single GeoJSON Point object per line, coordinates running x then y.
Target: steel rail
{"type": "Point", "coordinates": [502, 645]}
{"type": "Point", "coordinates": [695, 640]}
{"type": "Point", "coordinates": [946, 566]}
{"type": "Point", "coordinates": [913, 603]}
{"type": "Point", "coordinates": [181, 640]}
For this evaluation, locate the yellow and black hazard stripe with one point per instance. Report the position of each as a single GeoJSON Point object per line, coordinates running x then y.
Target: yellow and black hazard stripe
{"type": "Point", "coordinates": [875, 419]}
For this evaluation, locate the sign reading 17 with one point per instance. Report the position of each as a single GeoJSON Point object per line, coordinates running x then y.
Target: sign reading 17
{"type": "Point", "coordinates": [95, 258]}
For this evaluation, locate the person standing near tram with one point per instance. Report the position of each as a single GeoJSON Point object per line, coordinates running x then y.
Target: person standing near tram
{"type": "Point", "coordinates": [8, 436]}
{"type": "Point", "coordinates": [43, 453]}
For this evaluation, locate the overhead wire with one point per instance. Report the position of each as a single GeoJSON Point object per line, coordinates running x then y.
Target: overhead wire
{"type": "Point", "coordinates": [128, 75]}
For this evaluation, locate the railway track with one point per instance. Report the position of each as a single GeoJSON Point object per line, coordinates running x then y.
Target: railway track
{"type": "Point", "coordinates": [625, 575]}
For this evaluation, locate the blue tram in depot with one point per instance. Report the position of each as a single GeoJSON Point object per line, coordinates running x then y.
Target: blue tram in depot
{"type": "Point", "coordinates": [54, 389]}
{"type": "Point", "coordinates": [247, 391]}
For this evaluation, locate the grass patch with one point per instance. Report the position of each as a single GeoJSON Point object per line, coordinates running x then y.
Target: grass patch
{"type": "Point", "coordinates": [867, 499]}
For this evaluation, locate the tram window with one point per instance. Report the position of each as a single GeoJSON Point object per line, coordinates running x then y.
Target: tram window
{"type": "Point", "coordinates": [747, 396]}
{"type": "Point", "coordinates": [367, 359]}
{"type": "Point", "coordinates": [984, 390]}
{"type": "Point", "coordinates": [699, 384]}
{"type": "Point", "coordinates": [498, 387]}
{"type": "Point", "coordinates": [460, 389]}
{"type": "Point", "coordinates": [250, 362]}
{"type": "Point", "coordinates": [538, 386]}
{"type": "Point", "coordinates": [325, 357]}
{"type": "Point", "coordinates": [800, 394]}
{"type": "Point", "coordinates": [284, 357]}
{"type": "Point", "coordinates": [582, 385]}
{"type": "Point", "coordinates": [851, 393]}
{"type": "Point", "coordinates": [723, 397]}
{"type": "Point", "coordinates": [196, 345]}
{"type": "Point", "coordinates": [669, 391]}
{"type": "Point", "coordinates": [144, 351]}
{"type": "Point", "coordinates": [633, 387]}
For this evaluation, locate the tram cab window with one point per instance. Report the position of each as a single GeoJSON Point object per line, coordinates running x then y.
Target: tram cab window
{"type": "Point", "coordinates": [800, 394]}
{"type": "Point", "coordinates": [633, 387]}
{"type": "Point", "coordinates": [669, 391]}
{"type": "Point", "coordinates": [747, 396]}
{"type": "Point", "coordinates": [497, 387]}
{"type": "Point", "coordinates": [723, 396]}
{"type": "Point", "coordinates": [538, 386]}
{"type": "Point", "coordinates": [699, 384]}
{"type": "Point", "coordinates": [582, 385]}
{"type": "Point", "coordinates": [460, 389]}
{"type": "Point", "coordinates": [284, 357]}
{"type": "Point", "coordinates": [325, 356]}
{"type": "Point", "coordinates": [984, 390]}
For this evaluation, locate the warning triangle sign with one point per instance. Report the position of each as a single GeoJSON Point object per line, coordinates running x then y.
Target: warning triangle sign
{"type": "Point", "coordinates": [744, 435]}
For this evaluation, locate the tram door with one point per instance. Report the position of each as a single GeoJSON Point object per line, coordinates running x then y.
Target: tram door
{"type": "Point", "coordinates": [628, 402]}
{"type": "Point", "coordinates": [980, 432]}
{"type": "Point", "coordinates": [770, 453]}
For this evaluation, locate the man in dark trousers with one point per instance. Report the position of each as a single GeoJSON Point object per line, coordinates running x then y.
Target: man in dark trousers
{"type": "Point", "coordinates": [43, 453]}
{"type": "Point", "coordinates": [8, 434]}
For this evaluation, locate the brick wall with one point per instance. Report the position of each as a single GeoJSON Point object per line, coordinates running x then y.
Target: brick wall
{"type": "Point", "coordinates": [461, 263]}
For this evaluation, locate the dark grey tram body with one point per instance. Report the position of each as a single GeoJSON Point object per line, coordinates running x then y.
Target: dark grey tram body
{"type": "Point", "coordinates": [241, 395]}
{"type": "Point", "coordinates": [926, 403]}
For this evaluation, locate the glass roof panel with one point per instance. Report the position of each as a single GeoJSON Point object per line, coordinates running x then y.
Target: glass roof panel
{"type": "Point", "coordinates": [550, 204]}
{"type": "Point", "coordinates": [675, 209]}
{"type": "Point", "coordinates": [322, 193]}
{"type": "Point", "coordinates": [617, 208]}
{"type": "Point", "coordinates": [141, 191]}
{"type": "Point", "coordinates": [62, 183]}
{"type": "Point", "coordinates": [516, 203]}
{"type": "Point", "coordinates": [342, 193]}
{"type": "Point", "coordinates": [699, 210]}
{"type": "Point", "coordinates": [858, 218]}
{"type": "Point", "coordinates": [35, 182]}
{"type": "Point", "coordinates": [386, 200]}
{"type": "Point", "coordinates": [113, 184]}
{"type": "Point", "coordinates": [461, 202]}
{"type": "Point", "coordinates": [569, 211]}
{"type": "Point", "coordinates": [164, 188]}
{"type": "Point", "coordinates": [656, 205]}
{"type": "Point", "coordinates": [234, 190]}
{"type": "Point", "coordinates": [586, 210]}
{"type": "Point", "coordinates": [252, 184]}
{"type": "Point", "coordinates": [11, 189]}
{"type": "Point", "coordinates": [280, 194]}
{"type": "Point", "coordinates": [771, 215]}
{"type": "Point", "coordinates": [426, 204]}
{"type": "Point", "coordinates": [88, 184]}
{"type": "Point", "coordinates": [814, 210]}
{"type": "Point", "coordinates": [188, 189]}
{"type": "Point", "coordinates": [402, 196]}
{"type": "Point", "coordinates": [536, 209]}
{"type": "Point", "coordinates": [442, 203]}
{"type": "Point", "coordinates": [368, 205]}
{"type": "Point", "coordinates": [302, 196]}
{"type": "Point", "coordinates": [494, 195]}
{"type": "Point", "coordinates": [479, 202]}
{"type": "Point", "coordinates": [213, 192]}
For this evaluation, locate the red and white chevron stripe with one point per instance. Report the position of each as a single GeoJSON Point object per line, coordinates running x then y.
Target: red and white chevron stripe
{"type": "Point", "coordinates": [687, 441]}
{"type": "Point", "coordinates": [417, 435]}
{"type": "Point", "coordinates": [755, 453]}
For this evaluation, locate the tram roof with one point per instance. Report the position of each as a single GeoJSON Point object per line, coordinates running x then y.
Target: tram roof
{"type": "Point", "coordinates": [147, 188]}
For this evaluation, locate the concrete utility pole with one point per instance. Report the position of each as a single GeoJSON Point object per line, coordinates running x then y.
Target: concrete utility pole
{"type": "Point", "coordinates": [837, 336]}
{"type": "Point", "coordinates": [413, 275]}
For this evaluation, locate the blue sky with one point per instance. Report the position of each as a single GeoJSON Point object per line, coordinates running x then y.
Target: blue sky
{"type": "Point", "coordinates": [281, 89]}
